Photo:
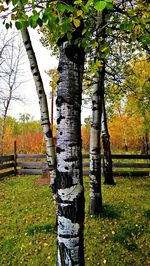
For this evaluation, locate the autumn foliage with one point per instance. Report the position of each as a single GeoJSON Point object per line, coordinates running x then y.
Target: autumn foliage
{"type": "Point", "coordinates": [126, 134]}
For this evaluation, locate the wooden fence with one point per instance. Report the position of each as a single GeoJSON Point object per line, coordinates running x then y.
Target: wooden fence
{"type": "Point", "coordinates": [123, 165]}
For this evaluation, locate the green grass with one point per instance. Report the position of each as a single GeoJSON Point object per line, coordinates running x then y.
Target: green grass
{"type": "Point", "coordinates": [120, 237]}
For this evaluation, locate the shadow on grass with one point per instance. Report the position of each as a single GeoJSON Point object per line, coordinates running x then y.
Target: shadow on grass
{"type": "Point", "coordinates": [147, 214]}
{"type": "Point", "coordinates": [144, 187]}
{"type": "Point", "coordinates": [47, 228]}
{"type": "Point", "coordinates": [110, 212]}
{"type": "Point", "coordinates": [127, 236]}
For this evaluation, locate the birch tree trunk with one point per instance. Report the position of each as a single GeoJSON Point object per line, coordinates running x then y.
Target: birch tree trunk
{"type": "Point", "coordinates": [45, 122]}
{"type": "Point", "coordinates": [69, 157]}
{"type": "Point", "coordinates": [107, 160]}
{"type": "Point", "coordinates": [95, 204]}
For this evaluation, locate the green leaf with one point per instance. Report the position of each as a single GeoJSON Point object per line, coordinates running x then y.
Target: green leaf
{"type": "Point", "coordinates": [109, 6]}
{"type": "Point", "coordinates": [18, 25]}
{"type": "Point", "coordinates": [69, 8]}
{"type": "Point", "coordinates": [65, 7]}
{"type": "Point", "coordinates": [61, 7]}
{"type": "Point", "coordinates": [126, 26]}
{"type": "Point", "coordinates": [100, 5]}
{"type": "Point", "coordinates": [88, 3]}
{"type": "Point", "coordinates": [69, 36]}
{"type": "Point", "coordinates": [14, 2]}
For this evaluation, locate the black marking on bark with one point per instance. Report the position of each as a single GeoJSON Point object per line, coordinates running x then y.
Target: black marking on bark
{"type": "Point", "coordinates": [61, 133]}
{"type": "Point", "coordinates": [59, 101]}
{"type": "Point", "coordinates": [59, 68]}
{"type": "Point", "coordinates": [64, 180]}
{"type": "Point", "coordinates": [73, 144]}
{"type": "Point", "coordinates": [71, 159]}
{"type": "Point", "coordinates": [59, 150]}
{"type": "Point", "coordinates": [66, 167]}
{"type": "Point", "coordinates": [59, 119]}
{"type": "Point", "coordinates": [97, 127]}
{"type": "Point", "coordinates": [59, 80]}
{"type": "Point", "coordinates": [94, 108]}
{"type": "Point", "coordinates": [33, 67]}
{"type": "Point", "coordinates": [68, 236]}
{"type": "Point", "coordinates": [93, 102]}
{"type": "Point", "coordinates": [96, 150]}
{"type": "Point", "coordinates": [49, 134]}
{"type": "Point", "coordinates": [74, 210]}
{"type": "Point", "coordinates": [36, 74]}
{"type": "Point", "coordinates": [26, 42]}
{"type": "Point", "coordinates": [28, 49]}
{"type": "Point", "coordinates": [43, 124]}
{"type": "Point", "coordinates": [40, 91]}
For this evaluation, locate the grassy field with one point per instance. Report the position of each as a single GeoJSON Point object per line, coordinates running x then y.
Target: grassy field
{"type": "Point", "coordinates": [119, 237]}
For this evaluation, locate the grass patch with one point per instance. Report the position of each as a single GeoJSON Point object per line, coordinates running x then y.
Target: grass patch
{"type": "Point", "coordinates": [119, 237]}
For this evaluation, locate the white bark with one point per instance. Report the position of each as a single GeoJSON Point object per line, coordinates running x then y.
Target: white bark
{"type": "Point", "coordinates": [45, 122]}
{"type": "Point", "coordinates": [69, 159]}
{"type": "Point", "coordinates": [95, 205]}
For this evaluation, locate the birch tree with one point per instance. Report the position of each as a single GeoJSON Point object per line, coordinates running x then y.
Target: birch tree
{"type": "Point", "coordinates": [107, 159]}
{"type": "Point", "coordinates": [45, 122]}
{"type": "Point", "coordinates": [69, 156]}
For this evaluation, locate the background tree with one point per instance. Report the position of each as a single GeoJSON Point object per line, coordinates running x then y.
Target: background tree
{"type": "Point", "coordinates": [53, 73]}
{"type": "Point", "coordinates": [138, 72]}
{"type": "Point", "coordinates": [11, 74]}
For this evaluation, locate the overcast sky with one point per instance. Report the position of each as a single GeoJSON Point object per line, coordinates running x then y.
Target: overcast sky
{"type": "Point", "coordinates": [45, 61]}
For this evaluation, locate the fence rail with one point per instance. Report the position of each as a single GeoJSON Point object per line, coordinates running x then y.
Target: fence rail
{"type": "Point", "coordinates": [7, 164]}
{"type": "Point", "coordinates": [14, 166]}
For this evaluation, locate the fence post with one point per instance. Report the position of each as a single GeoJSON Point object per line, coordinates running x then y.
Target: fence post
{"type": "Point", "coordinates": [15, 157]}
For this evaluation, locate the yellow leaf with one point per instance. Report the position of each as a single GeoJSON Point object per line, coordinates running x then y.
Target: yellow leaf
{"type": "Point", "coordinates": [79, 13]}
{"type": "Point", "coordinates": [78, 2]}
{"type": "Point", "coordinates": [99, 63]}
{"type": "Point", "coordinates": [76, 22]}
{"type": "Point", "coordinates": [95, 45]}
{"type": "Point", "coordinates": [104, 49]}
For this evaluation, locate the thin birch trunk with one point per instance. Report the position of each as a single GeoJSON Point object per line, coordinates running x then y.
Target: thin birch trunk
{"type": "Point", "coordinates": [45, 122]}
{"type": "Point", "coordinates": [107, 159]}
{"type": "Point", "coordinates": [69, 157]}
{"type": "Point", "coordinates": [95, 204]}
